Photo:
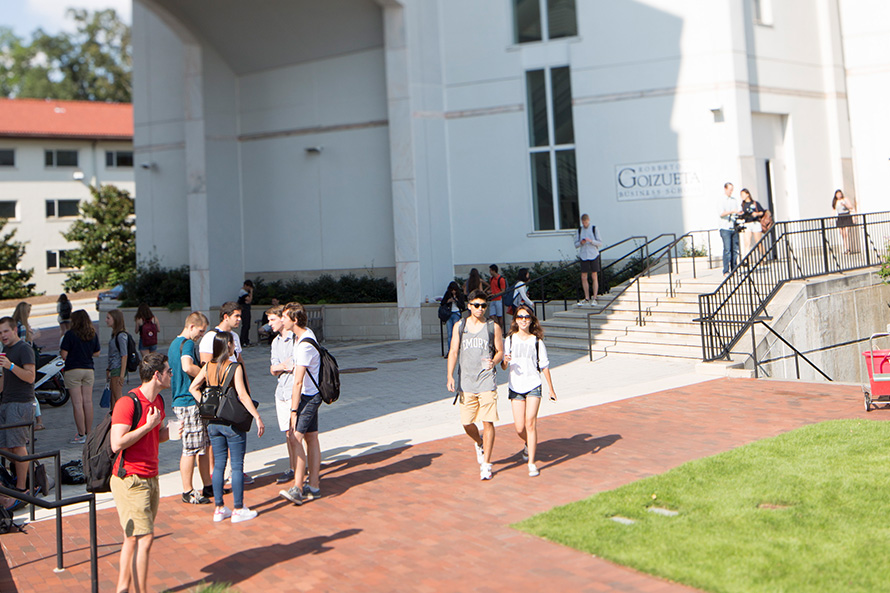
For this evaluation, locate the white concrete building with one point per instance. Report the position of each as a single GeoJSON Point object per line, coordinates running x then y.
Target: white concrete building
{"type": "Point", "coordinates": [42, 145]}
{"type": "Point", "coordinates": [417, 136]}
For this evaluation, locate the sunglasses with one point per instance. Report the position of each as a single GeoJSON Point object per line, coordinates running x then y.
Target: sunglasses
{"type": "Point", "coordinates": [479, 305]}
{"type": "Point", "coordinates": [523, 317]}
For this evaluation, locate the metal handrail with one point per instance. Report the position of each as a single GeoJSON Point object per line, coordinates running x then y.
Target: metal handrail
{"type": "Point", "coordinates": [797, 250]}
{"type": "Point", "coordinates": [797, 353]}
{"type": "Point", "coordinates": [57, 504]}
{"type": "Point", "coordinates": [647, 271]}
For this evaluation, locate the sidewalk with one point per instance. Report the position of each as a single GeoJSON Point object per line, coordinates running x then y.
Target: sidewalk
{"type": "Point", "coordinates": [417, 518]}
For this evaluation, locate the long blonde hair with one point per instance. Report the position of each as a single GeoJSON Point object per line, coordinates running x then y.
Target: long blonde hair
{"type": "Point", "coordinates": [117, 319]}
{"type": "Point", "coordinates": [21, 313]}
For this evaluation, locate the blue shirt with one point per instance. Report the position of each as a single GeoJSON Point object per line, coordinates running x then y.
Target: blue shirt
{"type": "Point", "coordinates": [179, 383]}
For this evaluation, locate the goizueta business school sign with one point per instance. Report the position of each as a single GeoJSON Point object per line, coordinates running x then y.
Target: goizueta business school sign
{"type": "Point", "coordinates": [652, 181]}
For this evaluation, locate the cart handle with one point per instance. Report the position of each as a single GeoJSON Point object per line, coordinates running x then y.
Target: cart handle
{"type": "Point", "coordinates": [871, 345]}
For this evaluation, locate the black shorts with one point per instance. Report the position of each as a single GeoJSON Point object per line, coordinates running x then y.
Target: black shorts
{"type": "Point", "coordinates": [592, 266]}
{"type": "Point", "coordinates": [307, 413]}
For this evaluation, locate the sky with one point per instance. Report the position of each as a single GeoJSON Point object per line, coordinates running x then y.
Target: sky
{"type": "Point", "coordinates": [23, 16]}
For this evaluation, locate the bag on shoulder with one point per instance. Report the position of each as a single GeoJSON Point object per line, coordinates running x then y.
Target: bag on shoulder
{"type": "Point", "coordinates": [766, 221]}
{"type": "Point", "coordinates": [149, 333]}
{"type": "Point", "coordinates": [133, 355]}
{"type": "Point", "coordinates": [444, 312]}
{"type": "Point", "coordinates": [98, 458]}
{"type": "Point", "coordinates": [328, 382]}
{"type": "Point", "coordinates": [212, 395]}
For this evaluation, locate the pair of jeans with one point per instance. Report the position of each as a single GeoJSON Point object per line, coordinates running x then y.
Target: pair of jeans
{"type": "Point", "coordinates": [449, 328]}
{"type": "Point", "coordinates": [224, 439]}
{"type": "Point", "coordinates": [731, 257]}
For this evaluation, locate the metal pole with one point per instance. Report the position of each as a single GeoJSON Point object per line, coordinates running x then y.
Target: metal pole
{"type": "Point", "coordinates": [824, 246]}
{"type": "Point", "coordinates": [692, 242]}
{"type": "Point", "coordinates": [31, 485]}
{"type": "Point", "coordinates": [639, 305]}
{"type": "Point", "coordinates": [94, 548]}
{"type": "Point", "coordinates": [754, 351]}
{"type": "Point", "coordinates": [865, 240]}
{"type": "Point", "coordinates": [60, 564]}
{"type": "Point", "coordinates": [796, 365]}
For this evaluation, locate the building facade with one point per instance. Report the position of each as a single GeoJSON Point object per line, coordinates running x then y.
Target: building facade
{"type": "Point", "coordinates": [417, 137]}
{"type": "Point", "coordinates": [49, 152]}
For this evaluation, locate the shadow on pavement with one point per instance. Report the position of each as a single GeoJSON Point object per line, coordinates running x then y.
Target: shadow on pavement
{"type": "Point", "coordinates": [555, 451]}
{"type": "Point", "coordinates": [245, 564]}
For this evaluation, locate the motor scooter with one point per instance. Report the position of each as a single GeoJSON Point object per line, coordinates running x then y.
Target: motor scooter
{"type": "Point", "coordinates": [49, 388]}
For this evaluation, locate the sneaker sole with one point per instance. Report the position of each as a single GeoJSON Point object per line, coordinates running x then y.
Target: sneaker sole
{"type": "Point", "coordinates": [286, 495]}
{"type": "Point", "coordinates": [243, 519]}
{"type": "Point", "coordinates": [219, 518]}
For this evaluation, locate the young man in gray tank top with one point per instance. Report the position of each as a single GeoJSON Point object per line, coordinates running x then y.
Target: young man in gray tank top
{"type": "Point", "coordinates": [477, 383]}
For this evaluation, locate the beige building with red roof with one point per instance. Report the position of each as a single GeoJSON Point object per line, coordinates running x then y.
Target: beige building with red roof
{"type": "Point", "coordinates": [45, 146]}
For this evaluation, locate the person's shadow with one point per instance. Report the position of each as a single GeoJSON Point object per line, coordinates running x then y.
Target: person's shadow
{"type": "Point", "coordinates": [555, 451]}
{"type": "Point", "coordinates": [244, 564]}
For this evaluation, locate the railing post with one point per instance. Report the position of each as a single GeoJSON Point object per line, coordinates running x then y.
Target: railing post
{"type": "Point", "coordinates": [692, 242]}
{"type": "Point", "coordinates": [865, 240]}
{"type": "Point", "coordinates": [639, 305]}
{"type": "Point", "coordinates": [754, 351]}
{"type": "Point", "coordinates": [796, 365]}
{"type": "Point", "coordinates": [670, 275]}
{"type": "Point", "coordinates": [589, 339]}
{"type": "Point", "coordinates": [544, 302]}
{"type": "Point", "coordinates": [94, 548]}
{"type": "Point", "coordinates": [31, 484]}
{"type": "Point", "coordinates": [824, 246]}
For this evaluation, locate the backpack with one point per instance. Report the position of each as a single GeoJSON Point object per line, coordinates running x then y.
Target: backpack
{"type": "Point", "coordinates": [98, 458]}
{"type": "Point", "coordinates": [211, 395]}
{"type": "Point", "coordinates": [133, 355]}
{"type": "Point", "coordinates": [6, 522]}
{"type": "Point", "coordinates": [513, 297]}
{"type": "Point", "coordinates": [149, 333]}
{"type": "Point", "coordinates": [328, 383]}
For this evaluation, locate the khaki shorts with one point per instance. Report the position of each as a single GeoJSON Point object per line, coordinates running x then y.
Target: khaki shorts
{"type": "Point", "coordinates": [478, 407]}
{"type": "Point", "coordinates": [137, 502]}
{"type": "Point", "coordinates": [79, 378]}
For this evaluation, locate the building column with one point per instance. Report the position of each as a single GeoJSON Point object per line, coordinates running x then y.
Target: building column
{"type": "Point", "coordinates": [402, 164]}
{"type": "Point", "coordinates": [196, 179]}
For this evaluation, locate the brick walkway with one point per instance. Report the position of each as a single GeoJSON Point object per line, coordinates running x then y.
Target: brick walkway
{"type": "Point", "coordinates": [419, 518]}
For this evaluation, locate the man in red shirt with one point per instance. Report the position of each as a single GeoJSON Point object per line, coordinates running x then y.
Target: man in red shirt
{"type": "Point", "coordinates": [497, 285]}
{"type": "Point", "coordinates": [136, 495]}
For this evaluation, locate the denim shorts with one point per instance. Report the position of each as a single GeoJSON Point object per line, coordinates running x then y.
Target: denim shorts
{"type": "Point", "coordinates": [307, 416]}
{"type": "Point", "coordinates": [536, 392]}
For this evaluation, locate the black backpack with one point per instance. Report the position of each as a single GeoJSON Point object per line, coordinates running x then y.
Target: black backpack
{"type": "Point", "coordinates": [328, 383]}
{"type": "Point", "coordinates": [6, 522]}
{"type": "Point", "coordinates": [98, 458]}
{"type": "Point", "coordinates": [133, 355]}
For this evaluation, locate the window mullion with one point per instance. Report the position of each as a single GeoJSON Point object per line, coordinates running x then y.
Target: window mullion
{"type": "Point", "coordinates": [551, 138]}
{"type": "Point", "coordinates": [545, 22]}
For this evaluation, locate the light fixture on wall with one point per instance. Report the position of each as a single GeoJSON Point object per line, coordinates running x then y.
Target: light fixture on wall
{"type": "Point", "coordinates": [148, 166]}
{"type": "Point", "coordinates": [77, 175]}
{"type": "Point", "coordinates": [314, 149]}
{"type": "Point", "coordinates": [718, 114]}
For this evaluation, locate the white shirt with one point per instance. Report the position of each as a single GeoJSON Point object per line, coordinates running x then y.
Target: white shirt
{"type": "Point", "coordinates": [524, 375]}
{"type": "Point", "coordinates": [282, 349]}
{"type": "Point", "coordinates": [729, 204]}
{"type": "Point", "coordinates": [589, 251]}
{"type": "Point", "coordinates": [520, 292]}
{"type": "Point", "coordinates": [206, 345]}
{"type": "Point", "coordinates": [305, 355]}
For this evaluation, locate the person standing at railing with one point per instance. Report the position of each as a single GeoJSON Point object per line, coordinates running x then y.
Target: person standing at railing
{"type": "Point", "coordinates": [752, 212]}
{"type": "Point", "coordinates": [730, 210]}
{"type": "Point", "coordinates": [844, 208]}
{"type": "Point", "coordinates": [16, 398]}
{"type": "Point", "coordinates": [588, 243]}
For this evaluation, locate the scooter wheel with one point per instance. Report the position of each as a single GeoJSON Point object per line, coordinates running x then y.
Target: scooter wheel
{"type": "Point", "coordinates": [54, 394]}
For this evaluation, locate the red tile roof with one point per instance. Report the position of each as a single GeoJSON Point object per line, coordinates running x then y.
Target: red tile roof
{"type": "Point", "coordinates": [39, 118]}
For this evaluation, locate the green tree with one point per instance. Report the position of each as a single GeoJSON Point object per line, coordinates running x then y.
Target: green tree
{"type": "Point", "coordinates": [92, 64]}
{"type": "Point", "coordinates": [13, 281]}
{"type": "Point", "coordinates": [106, 254]}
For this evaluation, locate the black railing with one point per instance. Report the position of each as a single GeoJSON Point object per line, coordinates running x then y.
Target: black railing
{"type": "Point", "coordinates": [57, 504]}
{"type": "Point", "coordinates": [797, 354]}
{"type": "Point", "coordinates": [792, 250]}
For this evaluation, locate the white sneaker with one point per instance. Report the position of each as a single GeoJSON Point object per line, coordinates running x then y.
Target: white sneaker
{"type": "Point", "coordinates": [480, 454]}
{"type": "Point", "coordinates": [524, 453]}
{"type": "Point", "coordinates": [582, 303]}
{"type": "Point", "coordinates": [532, 471]}
{"type": "Point", "coordinates": [592, 302]}
{"type": "Point", "coordinates": [221, 514]}
{"type": "Point", "coordinates": [485, 471]}
{"type": "Point", "coordinates": [243, 514]}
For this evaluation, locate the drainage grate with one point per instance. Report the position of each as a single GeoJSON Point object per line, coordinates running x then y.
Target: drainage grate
{"type": "Point", "coordinates": [358, 370]}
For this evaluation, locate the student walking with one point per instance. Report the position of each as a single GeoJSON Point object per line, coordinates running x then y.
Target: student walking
{"type": "Point", "coordinates": [496, 287]}
{"type": "Point", "coordinates": [476, 347]}
{"type": "Point", "coordinates": [225, 438]}
{"type": "Point", "coordinates": [79, 348]}
{"type": "Point", "coordinates": [117, 354]}
{"type": "Point", "coordinates": [146, 329]}
{"type": "Point", "coordinates": [526, 358]}
{"type": "Point", "coordinates": [63, 309]}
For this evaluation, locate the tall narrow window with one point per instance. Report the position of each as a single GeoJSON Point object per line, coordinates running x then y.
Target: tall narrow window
{"type": "Point", "coordinates": [763, 12]}
{"type": "Point", "coordinates": [542, 20]}
{"type": "Point", "coordinates": [552, 149]}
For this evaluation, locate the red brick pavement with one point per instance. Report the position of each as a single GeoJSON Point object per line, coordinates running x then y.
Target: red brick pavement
{"type": "Point", "coordinates": [419, 519]}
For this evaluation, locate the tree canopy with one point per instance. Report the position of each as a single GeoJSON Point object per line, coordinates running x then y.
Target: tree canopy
{"type": "Point", "coordinates": [106, 252]}
{"type": "Point", "coordinates": [92, 64]}
{"type": "Point", "coordinates": [13, 280]}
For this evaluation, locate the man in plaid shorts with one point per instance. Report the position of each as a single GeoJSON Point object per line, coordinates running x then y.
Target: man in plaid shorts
{"type": "Point", "coordinates": [195, 442]}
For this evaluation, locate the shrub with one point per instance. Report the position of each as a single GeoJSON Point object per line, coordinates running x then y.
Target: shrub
{"type": "Point", "coordinates": [326, 290]}
{"type": "Point", "coordinates": [158, 286]}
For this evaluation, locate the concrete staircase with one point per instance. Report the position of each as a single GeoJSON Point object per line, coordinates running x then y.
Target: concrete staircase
{"type": "Point", "coordinates": [669, 328]}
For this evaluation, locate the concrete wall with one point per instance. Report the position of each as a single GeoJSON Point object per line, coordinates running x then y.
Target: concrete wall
{"type": "Point", "coordinates": [824, 312]}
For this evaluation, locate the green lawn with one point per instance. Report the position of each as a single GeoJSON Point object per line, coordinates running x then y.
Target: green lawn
{"type": "Point", "coordinates": [828, 528]}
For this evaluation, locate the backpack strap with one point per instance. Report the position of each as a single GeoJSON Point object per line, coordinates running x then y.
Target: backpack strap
{"type": "Point", "coordinates": [137, 415]}
{"type": "Point", "coordinates": [317, 347]}
{"type": "Point", "coordinates": [538, 354]}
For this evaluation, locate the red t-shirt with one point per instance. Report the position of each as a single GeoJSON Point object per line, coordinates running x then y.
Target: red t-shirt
{"type": "Point", "coordinates": [141, 458]}
{"type": "Point", "coordinates": [497, 285]}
